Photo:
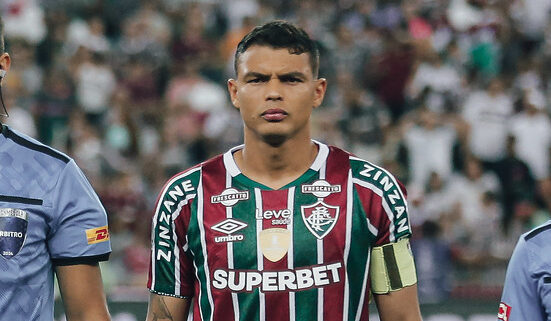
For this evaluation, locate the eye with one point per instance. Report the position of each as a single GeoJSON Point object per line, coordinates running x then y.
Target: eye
{"type": "Point", "coordinates": [291, 80]}
{"type": "Point", "coordinates": [254, 81]}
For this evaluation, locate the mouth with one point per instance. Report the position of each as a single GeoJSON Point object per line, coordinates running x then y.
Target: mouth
{"type": "Point", "coordinates": [274, 115]}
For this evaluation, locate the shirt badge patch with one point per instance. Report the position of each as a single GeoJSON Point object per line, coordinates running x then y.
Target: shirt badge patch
{"type": "Point", "coordinates": [320, 188]}
{"type": "Point", "coordinates": [504, 312]}
{"type": "Point", "coordinates": [13, 231]}
{"type": "Point", "coordinates": [230, 197]}
{"type": "Point", "coordinates": [97, 235]}
{"type": "Point", "coordinates": [274, 243]}
{"type": "Point", "coordinates": [320, 218]}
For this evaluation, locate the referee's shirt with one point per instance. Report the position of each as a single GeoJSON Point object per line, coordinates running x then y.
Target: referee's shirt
{"type": "Point", "coordinates": [49, 216]}
{"type": "Point", "coordinates": [527, 289]}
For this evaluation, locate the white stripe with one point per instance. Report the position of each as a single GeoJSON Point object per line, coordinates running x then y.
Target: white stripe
{"type": "Point", "coordinates": [259, 255]}
{"type": "Point", "coordinates": [320, 244]}
{"type": "Point", "coordinates": [364, 285]}
{"type": "Point", "coordinates": [229, 161]}
{"type": "Point", "coordinates": [349, 200]}
{"type": "Point", "coordinates": [290, 254]}
{"type": "Point", "coordinates": [200, 286]}
{"type": "Point", "coordinates": [177, 281]}
{"type": "Point", "coordinates": [387, 209]}
{"type": "Point", "coordinates": [321, 157]}
{"type": "Point", "coordinates": [200, 214]}
{"type": "Point", "coordinates": [155, 217]}
{"type": "Point", "coordinates": [176, 260]}
{"type": "Point", "coordinates": [229, 214]}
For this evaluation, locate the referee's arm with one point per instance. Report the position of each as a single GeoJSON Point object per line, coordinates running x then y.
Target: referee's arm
{"type": "Point", "coordinates": [82, 293]}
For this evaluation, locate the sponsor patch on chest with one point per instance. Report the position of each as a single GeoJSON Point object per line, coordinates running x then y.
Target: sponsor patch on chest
{"type": "Point", "coordinates": [13, 231]}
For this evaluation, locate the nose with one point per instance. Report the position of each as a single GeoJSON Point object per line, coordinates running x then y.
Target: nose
{"type": "Point", "coordinates": [273, 90]}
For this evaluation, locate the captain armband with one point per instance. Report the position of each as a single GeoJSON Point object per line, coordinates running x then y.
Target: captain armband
{"type": "Point", "coordinates": [392, 267]}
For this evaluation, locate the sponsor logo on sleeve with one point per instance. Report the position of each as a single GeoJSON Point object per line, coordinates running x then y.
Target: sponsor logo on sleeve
{"type": "Point", "coordinates": [97, 235]}
{"type": "Point", "coordinates": [13, 231]}
{"type": "Point", "coordinates": [504, 312]}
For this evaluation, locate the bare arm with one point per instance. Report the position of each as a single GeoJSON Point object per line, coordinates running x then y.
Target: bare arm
{"type": "Point", "coordinates": [82, 292]}
{"type": "Point", "coordinates": [401, 305]}
{"type": "Point", "coordinates": [167, 308]}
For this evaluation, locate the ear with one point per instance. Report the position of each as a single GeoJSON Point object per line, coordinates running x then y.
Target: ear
{"type": "Point", "coordinates": [5, 63]}
{"type": "Point", "coordinates": [319, 91]}
{"type": "Point", "coordinates": [232, 89]}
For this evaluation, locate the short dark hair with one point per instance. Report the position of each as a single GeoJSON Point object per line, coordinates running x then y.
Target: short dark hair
{"type": "Point", "coordinates": [280, 34]}
{"type": "Point", "coordinates": [2, 47]}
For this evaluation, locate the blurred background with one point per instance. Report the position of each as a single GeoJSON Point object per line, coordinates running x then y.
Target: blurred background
{"type": "Point", "coordinates": [452, 96]}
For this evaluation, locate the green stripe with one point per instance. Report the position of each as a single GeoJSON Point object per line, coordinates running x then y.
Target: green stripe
{"type": "Point", "coordinates": [244, 252]}
{"type": "Point", "coordinates": [305, 301]}
{"type": "Point", "coordinates": [360, 247]}
{"type": "Point", "coordinates": [197, 248]}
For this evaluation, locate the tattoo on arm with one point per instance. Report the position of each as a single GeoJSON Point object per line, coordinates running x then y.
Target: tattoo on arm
{"type": "Point", "coordinates": [160, 310]}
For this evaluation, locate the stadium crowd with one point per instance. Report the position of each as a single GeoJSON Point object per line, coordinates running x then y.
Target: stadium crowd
{"type": "Point", "coordinates": [453, 96]}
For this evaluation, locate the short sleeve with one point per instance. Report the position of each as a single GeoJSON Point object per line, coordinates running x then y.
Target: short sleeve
{"type": "Point", "coordinates": [79, 232]}
{"type": "Point", "coordinates": [383, 200]}
{"type": "Point", "coordinates": [519, 300]}
{"type": "Point", "coordinates": [171, 271]}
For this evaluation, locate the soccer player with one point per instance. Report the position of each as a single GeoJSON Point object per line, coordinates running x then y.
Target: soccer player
{"type": "Point", "coordinates": [282, 227]}
{"type": "Point", "coordinates": [527, 290]}
{"type": "Point", "coordinates": [50, 220]}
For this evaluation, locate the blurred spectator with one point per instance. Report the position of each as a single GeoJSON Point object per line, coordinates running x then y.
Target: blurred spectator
{"type": "Point", "coordinates": [488, 113]}
{"type": "Point", "coordinates": [95, 83]}
{"type": "Point", "coordinates": [433, 264]}
{"type": "Point", "coordinates": [429, 143]}
{"type": "Point", "coordinates": [531, 129]}
{"type": "Point", "coordinates": [517, 182]}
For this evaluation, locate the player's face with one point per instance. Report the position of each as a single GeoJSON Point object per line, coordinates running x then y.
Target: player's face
{"type": "Point", "coordinates": [275, 91]}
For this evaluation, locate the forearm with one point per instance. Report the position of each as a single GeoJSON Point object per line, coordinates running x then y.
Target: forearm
{"type": "Point", "coordinates": [166, 308]}
{"type": "Point", "coordinates": [402, 305]}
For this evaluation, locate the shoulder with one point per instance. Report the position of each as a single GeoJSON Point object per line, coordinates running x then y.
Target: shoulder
{"type": "Point", "coordinates": [535, 245]}
{"type": "Point", "coordinates": [539, 234]}
{"type": "Point", "coordinates": [183, 186]}
{"type": "Point", "coordinates": [368, 174]}
{"type": "Point", "coordinates": [25, 147]}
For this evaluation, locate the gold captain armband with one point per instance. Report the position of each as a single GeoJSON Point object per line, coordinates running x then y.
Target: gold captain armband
{"type": "Point", "coordinates": [392, 267]}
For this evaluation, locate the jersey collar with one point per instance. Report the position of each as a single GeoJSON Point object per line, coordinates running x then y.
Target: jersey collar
{"type": "Point", "coordinates": [233, 169]}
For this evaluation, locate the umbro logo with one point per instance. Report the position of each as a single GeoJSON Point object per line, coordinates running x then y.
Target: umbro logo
{"type": "Point", "coordinates": [229, 226]}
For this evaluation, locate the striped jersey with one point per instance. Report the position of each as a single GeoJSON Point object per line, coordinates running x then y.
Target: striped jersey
{"type": "Point", "coordinates": [244, 251]}
{"type": "Point", "coordinates": [49, 216]}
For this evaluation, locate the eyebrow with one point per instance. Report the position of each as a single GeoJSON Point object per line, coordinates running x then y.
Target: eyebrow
{"type": "Point", "coordinates": [293, 74]}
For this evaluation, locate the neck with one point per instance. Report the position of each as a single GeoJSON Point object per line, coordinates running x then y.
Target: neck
{"type": "Point", "coordinates": [276, 166]}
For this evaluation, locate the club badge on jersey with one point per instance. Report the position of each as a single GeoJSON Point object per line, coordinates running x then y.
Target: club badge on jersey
{"type": "Point", "coordinates": [320, 218]}
{"type": "Point", "coordinates": [13, 231]}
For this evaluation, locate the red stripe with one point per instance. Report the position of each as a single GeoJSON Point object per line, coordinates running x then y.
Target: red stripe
{"type": "Point", "coordinates": [277, 303]}
{"type": "Point", "coordinates": [336, 173]}
{"type": "Point", "coordinates": [214, 182]}
{"type": "Point", "coordinates": [187, 275]}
